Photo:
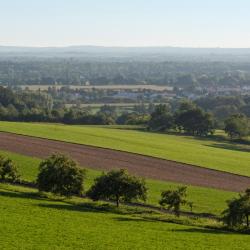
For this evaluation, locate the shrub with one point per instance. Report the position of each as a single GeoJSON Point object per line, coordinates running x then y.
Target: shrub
{"type": "Point", "coordinates": [174, 199]}
{"type": "Point", "coordinates": [8, 170]}
{"type": "Point", "coordinates": [238, 211]}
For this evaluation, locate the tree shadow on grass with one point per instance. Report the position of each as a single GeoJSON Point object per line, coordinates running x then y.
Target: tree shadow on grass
{"type": "Point", "coordinates": [62, 203]}
{"type": "Point", "coordinates": [151, 220]}
{"type": "Point", "coordinates": [140, 216]}
{"type": "Point", "coordinates": [83, 207]}
{"type": "Point", "coordinates": [22, 195]}
{"type": "Point", "coordinates": [205, 230]}
{"type": "Point", "coordinates": [192, 227]}
{"type": "Point", "coordinates": [97, 208]}
{"type": "Point", "coordinates": [232, 147]}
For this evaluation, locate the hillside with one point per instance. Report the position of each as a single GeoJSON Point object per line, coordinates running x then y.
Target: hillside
{"type": "Point", "coordinates": [205, 152]}
{"type": "Point", "coordinates": [28, 167]}
{"type": "Point", "coordinates": [29, 221]}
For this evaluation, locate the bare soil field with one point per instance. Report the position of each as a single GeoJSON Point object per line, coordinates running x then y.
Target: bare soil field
{"type": "Point", "coordinates": [106, 159]}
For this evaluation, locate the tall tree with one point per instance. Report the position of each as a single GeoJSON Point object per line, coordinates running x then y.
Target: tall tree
{"type": "Point", "coordinates": [194, 120]}
{"type": "Point", "coordinates": [60, 175]}
{"type": "Point", "coordinates": [118, 185]}
{"type": "Point", "coordinates": [161, 119]}
{"type": "Point", "coordinates": [237, 126]}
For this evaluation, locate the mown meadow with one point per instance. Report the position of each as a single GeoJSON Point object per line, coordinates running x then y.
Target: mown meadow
{"type": "Point", "coordinates": [29, 221]}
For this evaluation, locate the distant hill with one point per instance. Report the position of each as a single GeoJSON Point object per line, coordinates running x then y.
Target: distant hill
{"type": "Point", "coordinates": [152, 53]}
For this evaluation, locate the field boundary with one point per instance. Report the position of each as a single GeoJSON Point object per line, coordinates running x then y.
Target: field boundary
{"type": "Point", "coordinates": [124, 151]}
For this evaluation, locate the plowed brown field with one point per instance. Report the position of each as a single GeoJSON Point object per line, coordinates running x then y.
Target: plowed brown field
{"type": "Point", "coordinates": [106, 159]}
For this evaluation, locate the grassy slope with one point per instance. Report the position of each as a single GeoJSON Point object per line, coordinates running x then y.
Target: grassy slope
{"type": "Point", "coordinates": [205, 200]}
{"type": "Point", "coordinates": [30, 222]}
{"type": "Point", "coordinates": [203, 152]}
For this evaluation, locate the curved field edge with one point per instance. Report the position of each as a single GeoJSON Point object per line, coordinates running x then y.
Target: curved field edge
{"type": "Point", "coordinates": [206, 200]}
{"type": "Point", "coordinates": [31, 222]}
{"type": "Point", "coordinates": [204, 152]}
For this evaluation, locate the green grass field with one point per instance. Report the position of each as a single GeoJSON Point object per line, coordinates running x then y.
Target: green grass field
{"type": "Point", "coordinates": [28, 221]}
{"type": "Point", "coordinates": [210, 153]}
{"type": "Point", "coordinates": [206, 200]}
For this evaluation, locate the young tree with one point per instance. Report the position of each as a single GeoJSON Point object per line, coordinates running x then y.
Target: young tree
{"type": "Point", "coordinates": [174, 199]}
{"type": "Point", "coordinates": [60, 175]}
{"type": "Point", "coordinates": [8, 170]}
{"type": "Point", "coordinates": [118, 185]}
{"type": "Point", "coordinates": [238, 211]}
{"type": "Point", "coordinates": [237, 126]}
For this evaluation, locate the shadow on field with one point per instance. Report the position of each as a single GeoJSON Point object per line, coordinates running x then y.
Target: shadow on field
{"type": "Point", "coordinates": [125, 219]}
{"type": "Point", "coordinates": [203, 230]}
{"type": "Point", "coordinates": [144, 219]}
{"type": "Point", "coordinates": [83, 207]}
{"type": "Point", "coordinates": [192, 228]}
{"type": "Point", "coordinates": [22, 195]}
{"type": "Point", "coordinates": [93, 207]}
{"type": "Point", "coordinates": [232, 147]}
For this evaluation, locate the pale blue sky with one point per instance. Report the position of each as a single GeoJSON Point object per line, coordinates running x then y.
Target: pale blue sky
{"type": "Point", "coordinates": [192, 23]}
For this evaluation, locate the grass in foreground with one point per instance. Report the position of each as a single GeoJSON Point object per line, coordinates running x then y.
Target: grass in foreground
{"type": "Point", "coordinates": [30, 222]}
{"type": "Point", "coordinates": [206, 200]}
{"type": "Point", "coordinates": [203, 152]}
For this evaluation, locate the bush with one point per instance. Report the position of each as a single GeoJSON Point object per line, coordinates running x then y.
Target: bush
{"type": "Point", "coordinates": [118, 185]}
{"type": "Point", "coordinates": [174, 199]}
{"type": "Point", "coordinates": [8, 170]}
{"type": "Point", "coordinates": [60, 175]}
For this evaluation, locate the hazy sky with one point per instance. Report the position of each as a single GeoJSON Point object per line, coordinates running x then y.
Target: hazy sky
{"type": "Point", "coordinates": [192, 23]}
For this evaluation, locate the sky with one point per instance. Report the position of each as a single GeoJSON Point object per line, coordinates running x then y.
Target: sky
{"type": "Point", "coordinates": [180, 23]}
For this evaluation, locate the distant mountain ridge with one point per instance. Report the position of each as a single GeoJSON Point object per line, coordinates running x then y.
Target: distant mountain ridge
{"type": "Point", "coordinates": [149, 53]}
{"type": "Point", "coordinates": [110, 49]}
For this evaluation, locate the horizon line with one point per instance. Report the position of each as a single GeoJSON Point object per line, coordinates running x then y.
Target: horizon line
{"type": "Point", "coordinates": [119, 46]}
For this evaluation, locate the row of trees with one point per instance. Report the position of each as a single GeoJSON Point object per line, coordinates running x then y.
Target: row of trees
{"type": "Point", "coordinates": [61, 175]}
{"type": "Point", "coordinates": [185, 116]}
{"type": "Point", "coordinates": [39, 107]}
{"type": "Point", "coordinates": [195, 121]}
{"type": "Point", "coordinates": [224, 106]}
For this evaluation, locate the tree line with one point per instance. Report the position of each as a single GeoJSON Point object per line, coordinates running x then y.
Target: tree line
{"type": "Point", "coordinates": [188, 118]}
{"type": "Point", "coordinates": [193, 120]}
{"type": "Point", "coordinates": [184, 116]}
{"type": "Point", "coordinates": [61, 176]}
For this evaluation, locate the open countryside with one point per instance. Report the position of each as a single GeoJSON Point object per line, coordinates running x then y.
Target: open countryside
{"type": "Point", "coordinates": [124, 125]}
